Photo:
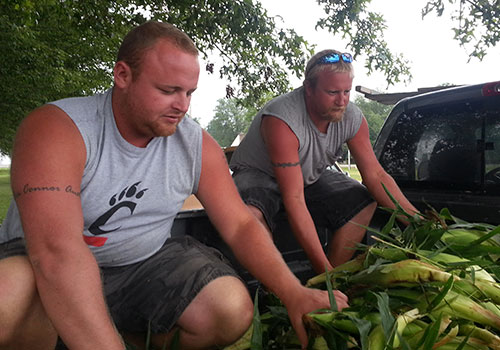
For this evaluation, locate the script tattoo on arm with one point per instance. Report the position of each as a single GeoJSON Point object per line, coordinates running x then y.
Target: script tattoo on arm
{"type": "Point", "coordinates": [284, 165]}
{"type": "Point", "coordinates": [27, 188]}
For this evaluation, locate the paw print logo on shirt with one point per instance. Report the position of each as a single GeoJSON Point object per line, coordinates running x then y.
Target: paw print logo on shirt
{"type": "Point", "coordinates": [125, 199]}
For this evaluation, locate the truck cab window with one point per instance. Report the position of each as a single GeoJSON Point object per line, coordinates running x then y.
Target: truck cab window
{"type": "Point", "coordinates": [449, 146]}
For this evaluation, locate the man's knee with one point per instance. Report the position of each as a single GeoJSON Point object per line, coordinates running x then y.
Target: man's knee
{"type": "Point", "coordinates": [23, 321]}
{"type": "Point", "coordinates": [17, 290]}
{"type": "Point", "coordinates": [17, 294]}
{"type": "Point", "coordinates": [223, 309]}
{"type": "Point", "coordinates": [365, 215]}
{"type": "Point", "coordinates": [259, 215]}
{"type": "Point", "coordinates": [234, 312]}
{"type": "Point", "coordinates": [256, 212]}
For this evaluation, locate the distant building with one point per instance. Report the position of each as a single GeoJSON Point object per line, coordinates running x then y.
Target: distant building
{"type": "Point", "coordinates": [237, 140]}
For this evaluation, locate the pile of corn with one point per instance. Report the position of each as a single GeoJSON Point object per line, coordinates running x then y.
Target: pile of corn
{"type": "Point", "coordinates": [432, 284]}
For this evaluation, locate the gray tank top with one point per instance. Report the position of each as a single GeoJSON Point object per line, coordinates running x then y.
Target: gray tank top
{"type": "Point", "coordinates": [317, 150]}
{"type": "Point", "coordinates": [130, 196]}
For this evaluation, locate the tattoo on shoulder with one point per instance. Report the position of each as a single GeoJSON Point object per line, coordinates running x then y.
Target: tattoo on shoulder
{"type": "Point", "coordinates": [27, 189]}
{"type": "Point", "coordinates": [285, 165]}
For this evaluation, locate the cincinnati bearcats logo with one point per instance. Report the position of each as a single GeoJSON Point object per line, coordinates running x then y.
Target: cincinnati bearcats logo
{"type": "Point", "coordinates": [124, 200]}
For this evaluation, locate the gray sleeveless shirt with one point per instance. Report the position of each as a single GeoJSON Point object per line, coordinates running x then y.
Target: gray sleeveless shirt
{"type": "Point", "coordinates": [130, 196]}
{"type": "Point", "coordinates": [317, 150]}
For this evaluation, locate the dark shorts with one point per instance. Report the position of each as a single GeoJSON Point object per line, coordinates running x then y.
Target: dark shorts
{"type": "Point", "coordinates": [155, 292]}
{"type": "Point", "coordinates": [332, 200]}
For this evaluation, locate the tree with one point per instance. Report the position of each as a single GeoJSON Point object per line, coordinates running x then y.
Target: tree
{"type": "Point", "coordinates": [477, 23]}
{"type": "Point", "coordinates": [53, 49]}
{"type": "Point", "coordinates": [58, 48]}
{"type": "Point", "coordinates": [229, 121]}
{"type": "Point", "coordinates": [375, 114]}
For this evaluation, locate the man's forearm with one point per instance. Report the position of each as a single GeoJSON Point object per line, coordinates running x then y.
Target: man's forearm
{"type": "Point", "coordinates": [70, 288]}
{"type": "Point", "coordinates": [303, 228]}
{"type": "Point", "coordinates": [377, 190]}
{"type": "Point", "coordinates": [268, 267]}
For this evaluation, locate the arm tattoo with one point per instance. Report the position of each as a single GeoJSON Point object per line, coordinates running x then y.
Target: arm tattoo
{"type": "Point", "coordinates": [30, 189]}
{"type": "Point", "coordinates": [284, 165]}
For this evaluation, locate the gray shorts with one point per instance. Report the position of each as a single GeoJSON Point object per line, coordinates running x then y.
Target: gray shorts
{"type": "Point", "coordinates": [332, 200]}
{"type": "Point", "coordinates": [155, 292]}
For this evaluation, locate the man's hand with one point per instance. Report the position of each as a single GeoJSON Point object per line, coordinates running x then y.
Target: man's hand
{"type": "Point", "coordinates": [306, 300]}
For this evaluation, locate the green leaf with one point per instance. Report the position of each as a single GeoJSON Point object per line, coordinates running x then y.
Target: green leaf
{"type": "Point", "coordinates": [331, 296]}
{"type": "Point", "coordinates": [465, 341]}
{"type": "Point", "coordinates": [431, 334]}
{"type": "Point", "coordinates": [441, 295]}
{"type": "Point", "coordinates": [148, 335]}
{"type": "Point", "coordinates": [176, 342]}
{"type": "Point", "coordinates": [256, 341]}
{"type": "Point", "coordinates": [364, 327]}
{"type": "Point", "coordinates": [387, 319]}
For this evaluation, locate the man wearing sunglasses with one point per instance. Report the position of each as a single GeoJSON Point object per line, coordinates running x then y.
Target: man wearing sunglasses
{"type": "Point", "coordinates": [284, 160]}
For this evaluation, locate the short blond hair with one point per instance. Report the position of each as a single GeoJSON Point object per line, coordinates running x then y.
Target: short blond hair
{"type": "Point", "coordinates": [313, 68]}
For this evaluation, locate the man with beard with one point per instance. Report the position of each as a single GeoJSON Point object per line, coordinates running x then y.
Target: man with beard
{"type": "Point", "coordinates": [86, 252]}
{"type": "Point", "coordinates": [282, 163]}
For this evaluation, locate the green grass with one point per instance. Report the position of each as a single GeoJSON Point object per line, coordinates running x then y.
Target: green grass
{"type": "Point", "coordinates": [353, 171]}
{"type": "Point", "coordinates": [5, 192]}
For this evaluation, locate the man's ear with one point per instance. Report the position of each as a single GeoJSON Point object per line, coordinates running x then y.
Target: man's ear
{"type": "Point", "coordinates": [308, 87]}
{"type": "Point", "coordinates": [122, 74]}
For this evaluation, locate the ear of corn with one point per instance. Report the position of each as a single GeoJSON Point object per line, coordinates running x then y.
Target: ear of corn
{"type": "Point", "coordinates": [376, 339]}
{"type": "Point", "coordinates": [402, 273]}
{"type": "Point", "coordinates": [402, 322]}
{"type": "Point", "coordinates": [480, 289]}
{"type": "Point", "coordinates": [432, 285]}
{"type": "Point", "coordinates": [349, 267]}
{"type": "Point", "coordinates": [461, 307]}
{"type": "Point", "coordinates": [490, 339]}
{"type": "Point", "coordinates": [447, 338]}
{"type": "Point", "coordinates": [494, 308]}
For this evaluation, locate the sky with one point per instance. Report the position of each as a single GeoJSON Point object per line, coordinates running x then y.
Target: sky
{"type": "Point", "coordinates": [435, 57]}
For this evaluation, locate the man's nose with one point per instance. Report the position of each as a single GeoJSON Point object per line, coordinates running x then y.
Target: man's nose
{"type": "Point", "coordinates": [182, 102]}
{"type": "Point", "coordinates": [343, 99]}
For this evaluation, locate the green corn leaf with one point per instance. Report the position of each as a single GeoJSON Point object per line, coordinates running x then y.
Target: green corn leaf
{"type": "Point", "coordinates": [334, 339]}
{"type": "Point", "coordinates": [148, 335]}
{"type": "Point", "coordinates": [331, 296]}
{"type": "Point", "coordinates": [330, 341]}
{"type": "Point", "coordinates": [403, 343]}
{"type": "Point", "coordinates": [389, 225]}
{"type": "Point", "coordinates": [399, 208]}
{"type": "Point", "coordinates": [375, 265]}
{"type": "Point", "coordinates": [470, 250]}
{"type": "Point", "coordinates": [427, 237]}
{"type": "Point", "coordinates": [445, 214]}
{"type": "Point", "coordinates": [432, 334]}
{"type": "Point", "coordinates": [176, 342]}
{"type": "Point", "coordinates": [256, 340]}
{"type": "Point", "coordinates": [310, 342]}
{"type": "Point", "coordinates": [462, 345]}
{"type": "Point", "coordinates": [444, 291]}
{"type": "Point", "coordinates": [364, 327]}
{"type": "Point", "coordinates": [489, 235]}
{"type": "Point", "coordinates": [390, 254]}
{"type": "Point", "coordinates": [387, 320]}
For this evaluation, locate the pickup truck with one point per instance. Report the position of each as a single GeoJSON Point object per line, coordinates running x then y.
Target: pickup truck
{"type": "Point", "coordinates": [443, 150]}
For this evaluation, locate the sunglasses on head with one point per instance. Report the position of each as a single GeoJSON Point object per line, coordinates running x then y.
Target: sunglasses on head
{"type": "Point", "coordinates": [334, 58]}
